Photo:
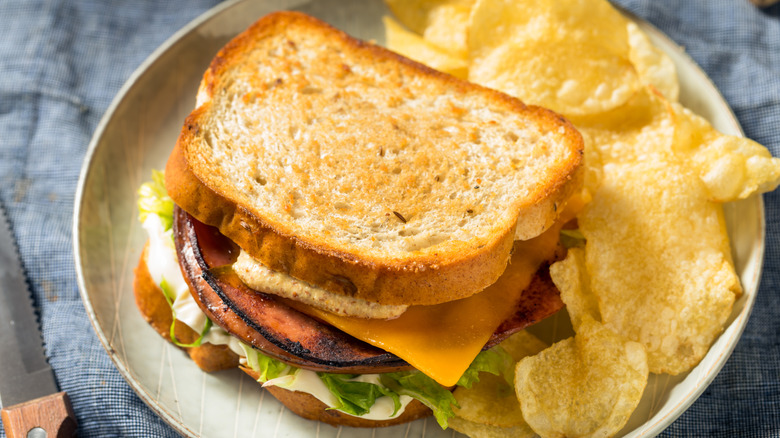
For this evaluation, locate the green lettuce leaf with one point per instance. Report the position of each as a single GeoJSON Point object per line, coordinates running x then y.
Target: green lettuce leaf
{"type": "Point", "coordinates": [572, 238]}
{"type": "Point", "coordinates": [170, 297]}
{"type": "Point", "coordinates": [424, 389]}
{"type": "Point", "coordinates": [267, 367]}
{"type": "Point", "coordinates": [153, 198]}
{"type": "Point", "coordinates": [495, 361]}
{"type": "Point", "coordinates": [356, 398]}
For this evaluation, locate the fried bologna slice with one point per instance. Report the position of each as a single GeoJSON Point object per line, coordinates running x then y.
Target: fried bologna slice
{"type": "Point", "coordinates": [261, 320]}
{"type": "Point", "coordinates": [271, 325]}
{"type": "Point", "coordinates": [357, 170]}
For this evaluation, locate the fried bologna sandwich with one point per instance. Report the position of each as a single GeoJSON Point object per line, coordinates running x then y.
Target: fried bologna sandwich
{"type": "Point", "coordinates": [352, 228]}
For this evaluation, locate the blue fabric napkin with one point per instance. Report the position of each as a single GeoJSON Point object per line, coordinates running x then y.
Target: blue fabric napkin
{"type": "Point", "coordinates": [62, 62]}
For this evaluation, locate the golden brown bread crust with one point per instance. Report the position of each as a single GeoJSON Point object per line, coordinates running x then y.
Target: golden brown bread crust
{"type": "Point", "coordinates": [431, 276]}
{"type": "Point", "coordinates": [156, 311]}
{"type": "Point", "coordinates": [307, 406]}
{"type": "Point", "coordinates": [429, 281]}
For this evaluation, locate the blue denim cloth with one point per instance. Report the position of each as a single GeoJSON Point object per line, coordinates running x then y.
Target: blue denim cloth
{"type": "Point", "coordinates": [61, 63]}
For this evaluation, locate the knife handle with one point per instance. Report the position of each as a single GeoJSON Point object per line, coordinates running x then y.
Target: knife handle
{"type": "Point", "coordinates": [50, 416]}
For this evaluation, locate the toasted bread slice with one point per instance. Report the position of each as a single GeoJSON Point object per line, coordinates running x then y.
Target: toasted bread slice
{"type": "Point", "coordinates": [357, 170]}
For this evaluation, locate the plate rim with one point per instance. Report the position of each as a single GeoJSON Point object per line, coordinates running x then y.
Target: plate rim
{"type": "Point", "coordinates": [86, 168]}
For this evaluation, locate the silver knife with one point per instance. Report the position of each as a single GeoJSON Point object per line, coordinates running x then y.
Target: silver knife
{"type": "Point", "coordinates": [32, 406]}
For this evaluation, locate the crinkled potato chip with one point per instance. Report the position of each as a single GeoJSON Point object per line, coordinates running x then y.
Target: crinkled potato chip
{"type": "Point", "coordinates": [415, 47]}
{"type": "Point", "coordinates": [572, 79]}
{"type": "Point", "coordinates": [448, 25]}
{"type": "Point", "coordinates": [659, 260]}
{"type": "Point", "coordinates": [643, 126]}
{"type": "Point", "coordinates": [492, 401]}
{"type": "Point", "coordinates": [585, 386]}
{"type": "Point", "coordinates": [590, 21]}
{"type": "Point", "coordinates": [571, 278]}
{"type": "Point", "coordinates": [653, 65]}
{"type": "Point", "coordinates": [731, 167]}
{"type": "Point", "coordinates": [571, 56]}
{"type": "Point", "coordinates": [479, 430]}
{"type": "Point", "coordinates": [443, 23]}
{"type": "Point", "coordinates": [412, 13]}
{"type": "Point", "coordinates": [496, 23]}
{"type": "Point", "coordinates": [522, 344]}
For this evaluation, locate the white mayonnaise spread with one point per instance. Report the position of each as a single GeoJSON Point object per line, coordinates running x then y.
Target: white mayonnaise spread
{"type": "Point", "coordinates": [259, 277]}
{"type": "Point", "coordinates": [162, 263]}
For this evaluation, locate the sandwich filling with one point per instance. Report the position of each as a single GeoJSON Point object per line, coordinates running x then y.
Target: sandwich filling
{"type": "Point", "coordinates": [164, 268]}
{"type": "Point", "coordinates": [260, 277]}
{"type": "Point", "coordinates": [368, 396]}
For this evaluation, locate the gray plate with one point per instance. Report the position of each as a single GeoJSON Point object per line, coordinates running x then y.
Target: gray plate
{"type": "Point", "coordinates": [137, 134]}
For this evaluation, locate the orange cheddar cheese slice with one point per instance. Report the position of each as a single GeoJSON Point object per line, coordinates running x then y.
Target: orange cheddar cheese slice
{"type": "Point", "coordinates": [443, 339]}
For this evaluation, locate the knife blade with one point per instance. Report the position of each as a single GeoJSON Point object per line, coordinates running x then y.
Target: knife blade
{"type": "Point", "coordinates": [32, 405]}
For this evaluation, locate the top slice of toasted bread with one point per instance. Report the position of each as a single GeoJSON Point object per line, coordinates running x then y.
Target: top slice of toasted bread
{"type": "Point", "coordinates": [357, 170]}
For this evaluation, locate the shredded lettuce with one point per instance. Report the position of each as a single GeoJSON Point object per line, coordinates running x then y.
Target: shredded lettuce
{"type": "Point", "coordinates": [168, 292]}
{"type": "Point", "coordinates": [153, 198]}
{"type": "Point", "coordinates": [355, 397]}
{"type": "Point", "coordinates": [424, 389]}
{"type": "Point", "coordinates": [268, 368]}
{"type": "Point", "coordinates": [495, 361]}
{"type": "Point", "coordinates": [572, 238]}
{"type": "Point", "coordinates": [170, 296]}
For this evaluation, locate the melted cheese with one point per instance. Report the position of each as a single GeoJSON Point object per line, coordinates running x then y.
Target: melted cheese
{"type": "Point", "coordinates": [442, 340]}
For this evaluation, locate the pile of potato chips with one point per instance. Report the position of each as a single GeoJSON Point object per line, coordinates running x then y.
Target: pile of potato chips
{"type": "Point", "coordinates": [653, 283]}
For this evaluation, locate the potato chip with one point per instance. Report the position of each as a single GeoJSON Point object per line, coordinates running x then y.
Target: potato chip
{"type": "Point", "coordinates": [570, 56]}
{"type": "Point", "coordinates": [659, 260]}
{"type": "Point", "coordinates": [496, 23]}
{"type": "Point", "coordinates": [645, 108]}
{"type": "Point", "coordinates": [572, 79]}
{"type": "Point", "coordinates": [654, 66]}
{"type": "Point", "coordinates": [415, 47]}
{"type": "Point", "coordinates": [443, 23]}
{"type": "Point", "coordinates": [590, 21]}
{"type": "Point", "coordinates": [491, 401]}
{"type": "Point", "coordinates": [522, 344]}
{"type": "Point", "coordinates": [412, 13]}
{"type": "Point", "coordinates": [571, 278]}
{"type": "Point", "coordinates": [585, 386]}
{"type": "Point", "coordinates": [479, 430]}
{"type": "Point", "coordinates": [448, 25]}
{"type": "Point", "coordinates": [731, 167]}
